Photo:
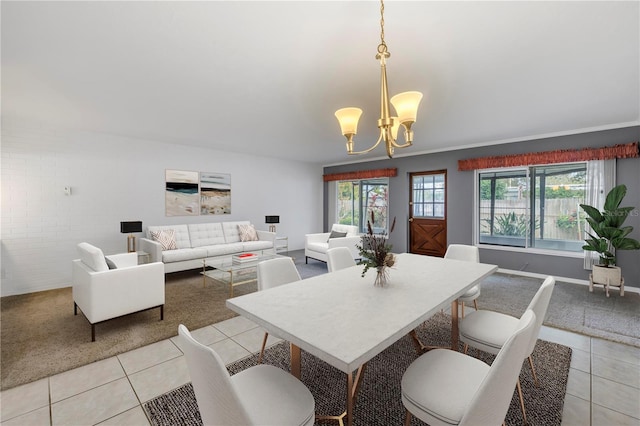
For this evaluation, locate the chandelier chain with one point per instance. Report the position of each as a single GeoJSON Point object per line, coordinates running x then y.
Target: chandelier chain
{"type": "Point", "coordinates": [382, 47]}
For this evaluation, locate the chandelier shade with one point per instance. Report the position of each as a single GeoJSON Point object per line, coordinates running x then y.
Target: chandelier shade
{"type": "Point", "coordinates": [348, 119]}
{"type": "Point", "coordinates": [405, 104]}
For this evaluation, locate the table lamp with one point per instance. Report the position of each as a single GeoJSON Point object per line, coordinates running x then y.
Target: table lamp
{"type": "Point", "coordinates": [130, 228]}
{"type": "Point", "coordinates": [271, 220]}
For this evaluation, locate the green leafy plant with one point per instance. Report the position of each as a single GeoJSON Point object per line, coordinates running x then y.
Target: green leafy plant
{"type": "Point", "coordinates": [374, 250]}
{"type": "Point", "coordinates": [569, 221]}
{"type": "Point", "coordinates": [511, 225]}
{"type": "Point", "coordinates": [608, 234]}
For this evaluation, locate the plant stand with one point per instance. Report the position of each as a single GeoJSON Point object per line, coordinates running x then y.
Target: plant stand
{"type": "Point", "coordinates": [608, 277]}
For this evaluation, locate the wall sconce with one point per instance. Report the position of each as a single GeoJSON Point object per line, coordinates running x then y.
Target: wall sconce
{"type": "Point", "coordinates": [271, 220]}
{"type": "Point", "coordinates": [130, 228]}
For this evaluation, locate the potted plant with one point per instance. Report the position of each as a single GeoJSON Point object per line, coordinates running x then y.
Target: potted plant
{"type": "Point", "coordinates": [609, 235]}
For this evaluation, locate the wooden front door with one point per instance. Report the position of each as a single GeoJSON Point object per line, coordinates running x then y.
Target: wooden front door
{"type": "Point", "coordinates": [428, 213]}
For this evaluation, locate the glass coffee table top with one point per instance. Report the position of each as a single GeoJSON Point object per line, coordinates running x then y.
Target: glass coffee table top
{"type": "Point", "coordinates": [234, 272]}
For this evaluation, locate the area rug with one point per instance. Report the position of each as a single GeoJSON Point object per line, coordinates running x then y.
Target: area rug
{"type": "Point", "coordinates": [379, 401]}
{"type": "Point", "coordinates": [572, 307]}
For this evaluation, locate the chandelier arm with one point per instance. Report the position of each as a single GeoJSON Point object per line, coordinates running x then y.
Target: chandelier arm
{"type": "Point", "coordinates": [370, 149]}
{"type": "Point", "coordinates": [397, 145]}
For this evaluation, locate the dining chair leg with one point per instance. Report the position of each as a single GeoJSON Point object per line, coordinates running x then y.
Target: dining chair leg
{"type": "Point", "coordinates": [264, 344]}
{"type": "Point", "coordinates": [475, 304]}
{"type": "Point", "coordinates": [407, 419]}
{"type": "Point", "coordinates": [533, 371]}
{"type": "Point", "coordinates": [524, 413]}
{"type": "Point", "coordinates": [462, 308]}
{"type": "Point", "coordinates": [466, 348]}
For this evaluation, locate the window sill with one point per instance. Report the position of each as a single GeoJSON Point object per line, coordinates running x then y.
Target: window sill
{"type": "Point", "coordinates": [560, 253]}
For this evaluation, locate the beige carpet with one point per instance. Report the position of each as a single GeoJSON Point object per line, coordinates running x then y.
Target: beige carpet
{"type": "Point", "coordinates": [40, 335]}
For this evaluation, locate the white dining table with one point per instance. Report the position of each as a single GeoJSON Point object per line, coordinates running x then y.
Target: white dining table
{"type": "Point", "coordinates": [344, 320]}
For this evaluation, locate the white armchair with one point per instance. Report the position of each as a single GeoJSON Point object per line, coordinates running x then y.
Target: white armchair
{"type": "Point", "coordinates": [316, 245]}
{"type": "Point", "coordinates": [103, 293]}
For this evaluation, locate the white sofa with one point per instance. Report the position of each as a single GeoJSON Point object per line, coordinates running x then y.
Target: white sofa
{"type": "Point", "coordinates": [102, 293]}
{"type": "Point", "coordinates": [316, 245]}
{"type": "Point", "coordinates": [198, 241]}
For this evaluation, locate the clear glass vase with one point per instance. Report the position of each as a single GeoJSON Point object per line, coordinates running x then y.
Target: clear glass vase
{"type": "Point", "coordinates": [382, 276]}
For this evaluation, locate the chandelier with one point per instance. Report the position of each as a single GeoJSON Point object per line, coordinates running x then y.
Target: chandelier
{"type": "Point", "coordinates": [405, 105]}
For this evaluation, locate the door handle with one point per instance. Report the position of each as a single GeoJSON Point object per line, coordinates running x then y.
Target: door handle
{"type": "Point", "coordinates": [410, 219]}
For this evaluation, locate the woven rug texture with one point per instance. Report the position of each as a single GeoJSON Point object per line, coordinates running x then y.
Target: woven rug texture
{"type": "Point", "coordinates": [378, 402]}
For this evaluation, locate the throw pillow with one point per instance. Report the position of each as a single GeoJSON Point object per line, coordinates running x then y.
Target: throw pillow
{"type": "Point", "coordinates": [166, 238]}
{"type": "Point", "coordinates": [336, 234]}
{"type": "Point", "coordinates": [110, 263]}
{"type": "Point", "coordinates": [247, 233]}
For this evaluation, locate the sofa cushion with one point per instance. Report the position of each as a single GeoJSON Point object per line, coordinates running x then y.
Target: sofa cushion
{"type": "Point", "coordinates": [183, 254]}
{"type": "Point", "coordinates": [93, 257]}
{"type": "Point", "coordinates": [205, 234]}
{"type": "Point", "coordinates": [181, 234]}
{"type": "Point", "coordinates": [247, 233]}
{"type": "Point", "coordinates": [166, 238]}
{"type": "Point", "coordinates": [223, 249]}
{"type": "Point", "coordinates": [231, 231]}
{"type": "Point", "coordinates": [256, 245]}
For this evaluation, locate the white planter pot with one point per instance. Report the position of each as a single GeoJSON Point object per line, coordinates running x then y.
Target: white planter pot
{"type": "Point", "coordinates": [608, 277]}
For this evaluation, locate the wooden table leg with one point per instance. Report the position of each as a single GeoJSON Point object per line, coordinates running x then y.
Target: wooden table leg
{"type": "Point", "coordinates": [350, 399]}
{"type": "Point", "coordinates": [296, 367]}
{"type": "Point", "coordinates": [454, 325]}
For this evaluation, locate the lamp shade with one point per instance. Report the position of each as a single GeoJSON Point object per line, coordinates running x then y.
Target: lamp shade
{"type": "Point", "coordinates": [129, 227]}
{"type": "Point", "coordinates": [348, 119]}
{"type": "Point", "coordinates": [406, 105]}
{"type": "Point", "coordinates": [272, 219]}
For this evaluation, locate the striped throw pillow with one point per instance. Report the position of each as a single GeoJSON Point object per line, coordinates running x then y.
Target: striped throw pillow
{"type": "Point", "coordinates": [166, 238]}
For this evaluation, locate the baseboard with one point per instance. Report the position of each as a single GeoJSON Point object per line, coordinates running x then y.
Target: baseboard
{"type": "Point", "coordinates": [563, 279]}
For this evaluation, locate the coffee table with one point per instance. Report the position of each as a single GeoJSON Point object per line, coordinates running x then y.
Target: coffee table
{"type": "Point", "coordinates": [238, 273]}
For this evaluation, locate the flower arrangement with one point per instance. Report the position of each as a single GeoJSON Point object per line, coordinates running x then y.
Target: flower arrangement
{"type": "Point", "coordinates": [375, 252]}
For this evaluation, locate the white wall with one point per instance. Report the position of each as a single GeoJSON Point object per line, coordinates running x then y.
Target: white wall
{"type": "Point", "coordinates": [113, 179]}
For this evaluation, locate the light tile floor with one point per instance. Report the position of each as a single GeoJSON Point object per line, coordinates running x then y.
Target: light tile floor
{"type": "Point", "coordinates": [603, 387]}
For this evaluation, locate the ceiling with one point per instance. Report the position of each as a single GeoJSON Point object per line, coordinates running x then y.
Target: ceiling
{"type": "Point", "coordinates": [266, 77]}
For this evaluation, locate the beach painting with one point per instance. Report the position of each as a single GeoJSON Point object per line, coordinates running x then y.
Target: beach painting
{"type": "Point", "coordinates": [181, 193]}
{"type": "Point", "coordinates": [215, 193]}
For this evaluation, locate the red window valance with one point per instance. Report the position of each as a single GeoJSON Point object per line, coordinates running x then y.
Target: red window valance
{"type": "Point", "coordinates": [363, 174]}
{"type": "Point", "coordinates": [629, 150]}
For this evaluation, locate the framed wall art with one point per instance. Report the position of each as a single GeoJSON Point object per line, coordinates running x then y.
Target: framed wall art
{"type": "Point", "coordinates": [215, 193]}
{"type": "Point", "coordinates": [181, 193]}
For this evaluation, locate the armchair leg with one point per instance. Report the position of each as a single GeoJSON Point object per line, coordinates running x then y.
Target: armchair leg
{"type": "Point", "coordinates": [93, 332]}
{"type": "Point", "coordinates": [75, 308]}
{"type": "Point", "coordinates": [306, 260]}
{"type": "Point", "coordinates": [161, 312]}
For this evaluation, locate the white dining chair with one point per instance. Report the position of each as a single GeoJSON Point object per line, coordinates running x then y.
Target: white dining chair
{"type": "Point", "coordinates": [445, 387]}
{"type": "Point", "coordinates": [272, 273]}
{"type": "Point", "coordinates": [259, 395]}
{"type": "Point", "coordinates": [488, 330]}
{"type": "Point", "coordinates": [469, 254]}
{"type": "Point", "coordinates": [339, 258]}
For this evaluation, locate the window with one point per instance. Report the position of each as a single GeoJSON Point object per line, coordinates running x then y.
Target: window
{"type": "Point", "coordinates": [428, 195]}
{"type": "Point", "coordinates": [358, 198]}
{"type": "Point", "coordinates": [533, 207]}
